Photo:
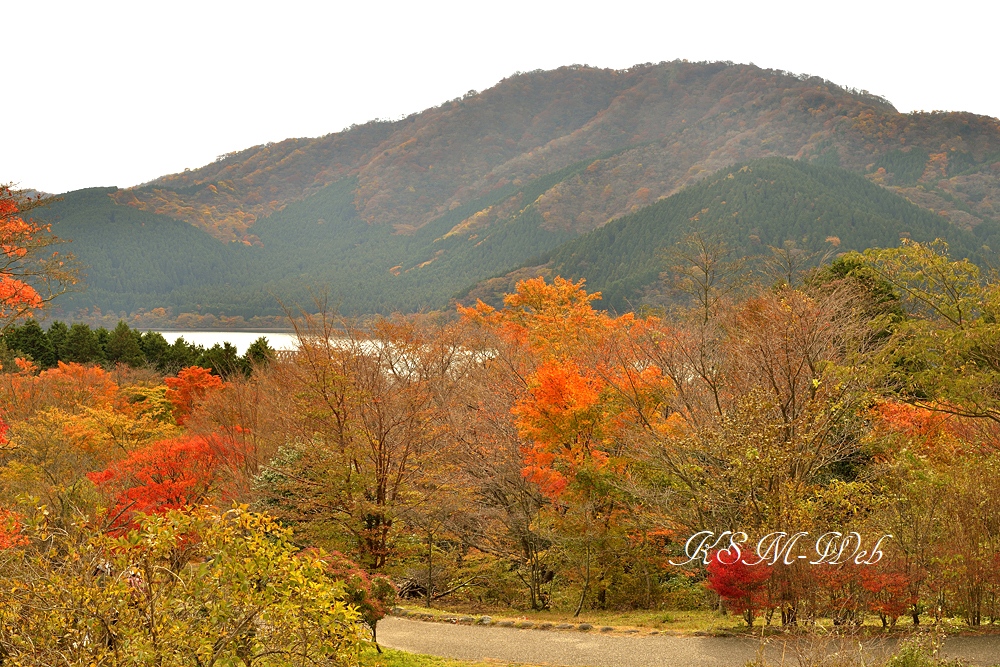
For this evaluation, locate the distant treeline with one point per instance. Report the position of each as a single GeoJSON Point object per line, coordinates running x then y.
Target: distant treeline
{"type": "Point", "coordinates": [123, 345]}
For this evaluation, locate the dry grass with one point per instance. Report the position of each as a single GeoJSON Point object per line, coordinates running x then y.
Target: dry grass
{"type": "Point", "coordinates": [392, 658]}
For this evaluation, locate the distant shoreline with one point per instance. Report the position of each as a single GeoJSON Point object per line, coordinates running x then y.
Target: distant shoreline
{"type": "Point", "coordinates": [220, 330]}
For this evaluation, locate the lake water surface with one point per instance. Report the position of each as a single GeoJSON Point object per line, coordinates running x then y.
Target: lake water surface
{"type": "Point", "coordinates": [240, 339]}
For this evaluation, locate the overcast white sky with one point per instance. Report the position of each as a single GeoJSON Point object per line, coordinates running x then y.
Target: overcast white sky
{"type": "Point", "coordinates": [117, 93]}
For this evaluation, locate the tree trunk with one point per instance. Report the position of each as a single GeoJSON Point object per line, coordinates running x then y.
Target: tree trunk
{"type": "Point", "coordinates": [430, 566]}
{"type": "Point", "coordinates": [586, 584]}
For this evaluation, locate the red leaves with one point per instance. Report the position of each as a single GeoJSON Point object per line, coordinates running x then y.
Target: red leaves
{"type": "Point", "coordinates": [839, 590]}
{"type": "Point", "coordinates": [191, 385]}
{"type": "Point", "coordinates": [743, 587]}
{"type": "Point", "coordinates": [888, 593]}
{"type": "Point", "coordinates": [167, 475]}
{"type": "Point", "coordinates": [371, 595]}
{"type": "Point", "coordinates": [10, 529]}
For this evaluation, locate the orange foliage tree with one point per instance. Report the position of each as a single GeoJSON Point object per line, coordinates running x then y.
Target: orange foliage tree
{"type": "Point", "coordinates": [30, 275]}
{"type": "Point", "coordinates": [583, 384]}
{"type": "Point", "coordinates": [584, 390]}
{"type": "Point", "coordinates": [191, 386]}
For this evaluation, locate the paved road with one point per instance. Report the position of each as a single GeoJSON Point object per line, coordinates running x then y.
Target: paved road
{"type": "Point", "coordinates": [578, 649]}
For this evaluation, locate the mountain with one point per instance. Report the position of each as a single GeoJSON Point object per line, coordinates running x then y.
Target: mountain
{"type": "Point", "coordinates": [403, 215]}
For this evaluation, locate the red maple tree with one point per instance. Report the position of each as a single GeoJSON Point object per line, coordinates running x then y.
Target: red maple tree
{"type": "Point", "coordinates": [743, 587]}
{"type": "Point", "coordinates": [166, 475]}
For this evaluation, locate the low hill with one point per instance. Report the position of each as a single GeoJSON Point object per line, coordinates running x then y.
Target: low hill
{"type": "Point", "coordinates": [133, 258]}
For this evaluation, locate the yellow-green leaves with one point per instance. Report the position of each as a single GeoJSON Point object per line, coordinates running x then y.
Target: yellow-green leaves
{"type": "Point", "coordinates": [186, 588]}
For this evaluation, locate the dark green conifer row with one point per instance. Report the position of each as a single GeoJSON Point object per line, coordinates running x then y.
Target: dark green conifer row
{"type": "Point", "coordinates": [123, 345]}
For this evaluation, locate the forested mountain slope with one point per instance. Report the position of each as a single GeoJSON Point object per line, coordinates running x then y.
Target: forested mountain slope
{"type": "Point", "coordinates": [749, 207]}
{"type": "Point", "coordinates": [319, 247]}
{"type": "Point", "coordinates": [135, 259]}
{"type": "Point", "coordinates": [404, 215]}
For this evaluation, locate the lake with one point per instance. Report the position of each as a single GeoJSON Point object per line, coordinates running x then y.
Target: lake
{"type": "Point", "coordinates": [240, 339]}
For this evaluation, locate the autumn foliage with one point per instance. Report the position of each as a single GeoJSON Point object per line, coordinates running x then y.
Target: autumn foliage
{"type": "Point", "coordinates": [584, 387]}
{"type": "Point", "coordinates": [371, 595]}
{"type": "Point", "coordinates": [166, 475]}
{"type": "Point", "coordinates": [549, 453]}
{"type": "Point", "coordinates": [743, 587]}
{"type": "Point", "coordinates": [16, 296]}
{"type": "Point", "coordinates": [559, 417]}
{"type": "Point", "coordinates": [10, 529]}
{"type": "Point", "coordinates": [191, 386]}
{"type": "Point", "coordinates": [30, 276]}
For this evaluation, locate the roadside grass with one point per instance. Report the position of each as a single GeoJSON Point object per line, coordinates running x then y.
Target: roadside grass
{"type": "Point", "coordinates": [680, 622]}
{"type": "Point", "coordinates": [392, 658]}
{"type": "Point", "coordinates": [686, 622]}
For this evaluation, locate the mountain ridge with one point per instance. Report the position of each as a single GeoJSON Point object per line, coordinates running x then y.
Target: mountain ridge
{"type": "Point", "coordinates": [683, 120]}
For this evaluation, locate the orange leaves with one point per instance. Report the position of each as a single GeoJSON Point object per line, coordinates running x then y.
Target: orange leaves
{"type": "Point", "coordinates": [553, 319]}
{"type": "Point", "coordinates": [191, 385]}
{"type": "Point", "coordinates": [560, 416]}
{"type": "Point", "coordinates": [559, 407]}
{"type": "Point", "coordinates": [932, 433]}
{"type": "Point", "coordinates": [68, 387]}
{"type": "Point", "coordinates": [549, 319]}
{"type": "Point", "coordinates": [536, 295]}
{"type": "Point", "coordinates": [76, 384]}
{"type": "Point", "coordinates": [28, 280]}
{"type": "Point", "coordinates": [539, 470]}
{"type": "Point", "coordinates": [554, 326]}
{"type": "Point", "coordinates": [584, 386]}
{"type": "Point", "coordinates": [16, 296]}
{"type": "Point", "coordinates": [917, 423]}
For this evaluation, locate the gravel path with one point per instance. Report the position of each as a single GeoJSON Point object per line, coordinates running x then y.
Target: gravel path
{"type": "Point", "coordinates": [591, 649]}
